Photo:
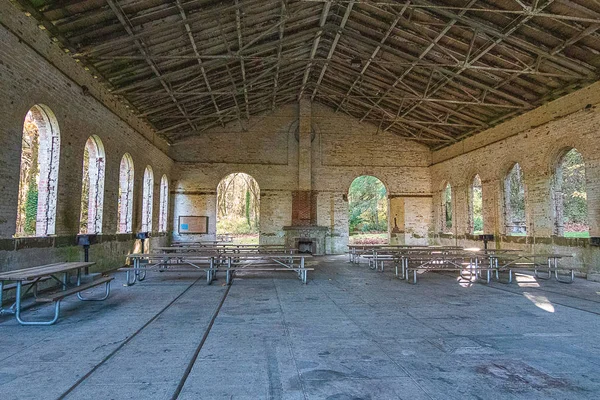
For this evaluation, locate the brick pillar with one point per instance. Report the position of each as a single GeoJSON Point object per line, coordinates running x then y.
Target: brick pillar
{"type": "Point", "coordinates": [303, 200]}
{"type": "Point", "coordinates": [304, 146]}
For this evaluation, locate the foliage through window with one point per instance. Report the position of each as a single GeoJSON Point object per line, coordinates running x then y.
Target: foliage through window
{"type": "Point", "coordinates": [125, 211]}
{"type": "Point", "coordinates": [476, 206]}
{"type": "Point", "coordinates": [38, 183]}
{"type": "Point", "coordinates": [147, 199]}
{"type": "Point", "coordinates": [570, 196]}
{"type": "Point", "coordinates": [92, 192]}
{"type": "Point", "coordinates": [447, 209]}
{"type": "Point", "coordinates": [514, 202]}
{"type": "Point", "coordinates": [238, 206]}
{"type": "Point", "coordinates": [368, 210]}
{"type": "Point", "coordinates": [164, 204]}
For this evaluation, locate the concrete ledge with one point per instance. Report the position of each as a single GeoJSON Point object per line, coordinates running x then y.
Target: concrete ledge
{"type": "Point", "coordinates": [593, 277]}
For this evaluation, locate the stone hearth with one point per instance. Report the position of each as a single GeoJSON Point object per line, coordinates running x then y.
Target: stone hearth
{"type": "Point", "coordinates": [294, 235]}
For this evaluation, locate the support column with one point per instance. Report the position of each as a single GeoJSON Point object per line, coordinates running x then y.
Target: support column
{"type": "Point", "coordinates": [304, 146]}
{"type": "Point", "coordinates": [396, 219]}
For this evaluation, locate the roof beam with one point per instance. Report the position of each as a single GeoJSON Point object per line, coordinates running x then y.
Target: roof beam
{"type": "Point", "coordinates": [196, 53]}
{"type": "Point", "coordinates": [141, 48]}
{"type": "Point", "coordinates": [494, 43]}
{"type": "Point", "coordinates": [279, 47]}
{"type": "Point", "coordinates": [315, 45]}
{"type": "Point", "coordinates": [238, 25]}
{"type": "Point", "coordinates": [333, 46]}
{"type": "Point", "coordinates": [440, 35]}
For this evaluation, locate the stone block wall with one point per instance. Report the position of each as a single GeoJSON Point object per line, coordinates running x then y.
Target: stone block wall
{"type": "Point", "coordinates": [33, 70]}
{"type": "Point", "coordinates": [536, 141]}
{"type": "Point", "coordinates": [342, 150]}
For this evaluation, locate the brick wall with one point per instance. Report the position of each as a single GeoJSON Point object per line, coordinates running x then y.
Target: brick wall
{"type": "Point", "coordinates": [535, 140]}
{"type": "Point", "coordinates": [342, 149]}
{"type": "Point", "coordinates": [33, 70]}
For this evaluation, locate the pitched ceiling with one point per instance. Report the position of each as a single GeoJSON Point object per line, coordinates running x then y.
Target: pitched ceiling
{"type": "Point", "coordinates": [434, 71]}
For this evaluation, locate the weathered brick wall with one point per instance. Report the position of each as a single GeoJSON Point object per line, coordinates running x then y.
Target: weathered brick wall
{"type": "Point", "coordinates": [342, 149]}
{"type": "Point", "coordinates": [33, 70]}
{"type": "Point", "coordinates": [570, 122]}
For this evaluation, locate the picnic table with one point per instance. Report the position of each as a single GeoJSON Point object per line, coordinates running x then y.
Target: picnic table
{"type": "Point", "coordinates": [223, 249]}
{"type": "Point", "coordinates": [59, 272]}
{"type": "Point", "coordinates": [477, 261]}
{"type": "Point", "coordinates": [172, 262]}
{"type": "Point", "coordinates": [355, 251]}
{"type": "Point", "coordinates": [212, 262]}
{"type": "Point", "coordinates": [546, 262]}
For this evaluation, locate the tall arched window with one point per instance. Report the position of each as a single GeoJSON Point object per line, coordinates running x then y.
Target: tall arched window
{"type": "Point", "coordinates": [147, 198]}
{"type": "Point", "coordinates": [476, 207]}
{"type": "Point", "coordinates": [164, 204]}
{"type": "Point", "coordinates": [36, 212]}
{"type": "Point", "coordinates": [514, 202]}
{"type": "Point", "coordinates": [368, 209]}
{"type": "Point", "coordinates": [92, 186]}
{"type": "Point", "coordinates": [125, 210]}
{"type": "Point", "coordinates": [570, 196]}
{"type": "Point", "coordinates": [447, 209]}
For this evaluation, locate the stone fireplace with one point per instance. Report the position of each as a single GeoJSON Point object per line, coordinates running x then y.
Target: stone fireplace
{"type": "Point", "coordinates": [304, 234]}
{"type": "Point", "coordinates": [307, 239]}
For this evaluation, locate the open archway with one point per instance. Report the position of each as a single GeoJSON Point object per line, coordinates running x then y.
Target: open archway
{"type": "Point", "coordinates": [238, 209]}
{"type": "Point", "coordinates": [368, 211]}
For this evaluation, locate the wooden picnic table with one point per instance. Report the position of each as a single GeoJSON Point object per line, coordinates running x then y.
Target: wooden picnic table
{"type": "Point", "coordinates": [60, 273]}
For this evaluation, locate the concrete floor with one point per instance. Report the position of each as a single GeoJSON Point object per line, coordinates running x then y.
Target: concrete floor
{"type": "Point", "coordinates": [351, 333]}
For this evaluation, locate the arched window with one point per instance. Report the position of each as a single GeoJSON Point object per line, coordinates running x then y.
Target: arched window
{"type": "Point", "coordinates": [125, 211]}
{"type": "Point", "coordinates": [570, 196]}
{"type": "Point", "coordinates": [238, 209]}
{"type": "Point", "coordinates": [514, 202]}
{"type": "Point", "coordinates": [368, 209]}
{"type": "Point", "coordinates": [447, 209]}
{"type": "Point", "coordinates": [36, 212]}
{"type": "Point", "coordinates": [164, 204]}
{"type": "Point", "coordinates": [147, 198]}
{"type": "Point", "coordinates": [476, 207]}
{"type": "Point", "coordinates": [92, 186]}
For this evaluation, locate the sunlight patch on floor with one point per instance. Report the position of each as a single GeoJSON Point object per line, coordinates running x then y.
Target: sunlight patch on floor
{"type": "Point", "coordinates": [540, 301]}
{"type": "Point", "coordinates": [526, 280]}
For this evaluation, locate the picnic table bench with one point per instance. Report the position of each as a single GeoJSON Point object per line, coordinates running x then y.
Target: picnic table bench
{"type": "Point", "coordinates": [31, 277]}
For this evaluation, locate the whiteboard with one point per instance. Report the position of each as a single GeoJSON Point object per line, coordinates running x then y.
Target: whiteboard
{"type": "Point", "coordinates": [193, 224]}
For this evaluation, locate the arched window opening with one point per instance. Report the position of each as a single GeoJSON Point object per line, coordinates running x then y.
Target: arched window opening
{"type": "Point", "coordinates": [476, 207]}
{"type": "Point", "coordinates": [368, 211]}
{"type": "Point", "coordinates": [125, 211]}
{"type": "Point", "coordinates": [514, 202]}
{"type": "Point", "coordinates": [447, 209]}
{"type": "Point", "coordinates": [147, 199]}
{"type": "Point", "coordinates": [38, 184]}
{"type": "Point", "coordinates": [238, 209]}
{"type": "Point", "coordinates": [92, 186]}
{"type": "Point", "coordinates": [570, 196]}
{"type": "Point", "coordinates": [164, 204]}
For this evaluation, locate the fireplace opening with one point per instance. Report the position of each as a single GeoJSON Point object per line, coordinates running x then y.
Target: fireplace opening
{"type": "Point", "coordinates": [305, 246]}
